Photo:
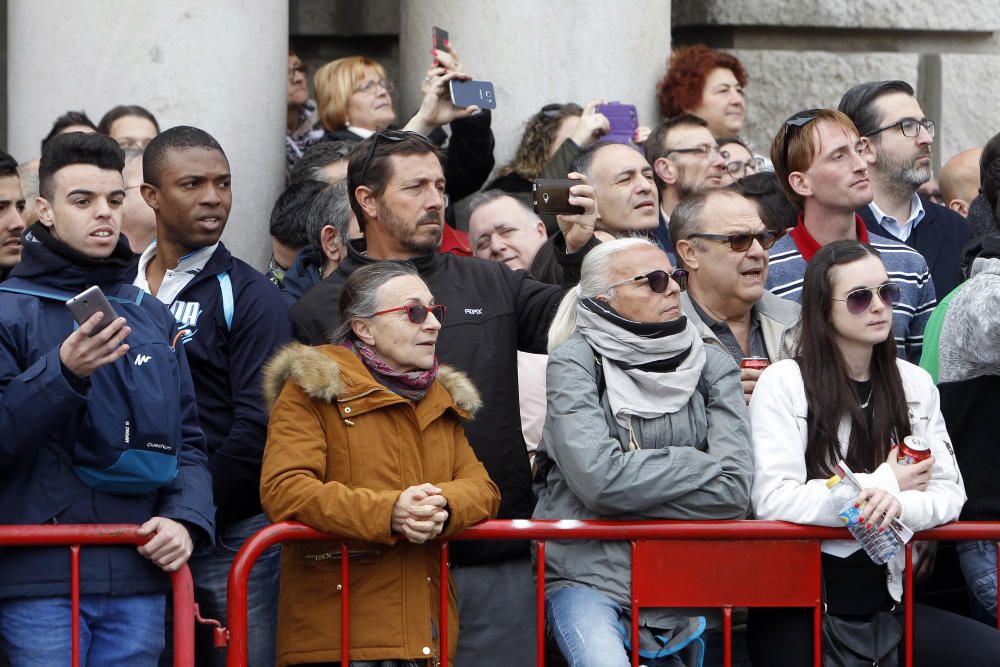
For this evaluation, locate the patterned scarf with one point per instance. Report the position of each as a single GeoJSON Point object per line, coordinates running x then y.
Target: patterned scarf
{"type": "Point", "coordinates": [412, 385]}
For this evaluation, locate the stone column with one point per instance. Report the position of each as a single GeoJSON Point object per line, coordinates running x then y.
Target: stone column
{"type": "Point", "coordinates": [220, 66]}
{"type": "Point", "coordinates": [536, 53]}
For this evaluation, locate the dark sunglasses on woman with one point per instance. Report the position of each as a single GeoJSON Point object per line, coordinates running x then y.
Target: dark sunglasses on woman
{"type": "Point", "coordinates": [659, 280]}
{"type": "Point", "coordinates": [417, 313]}
{"type": "Point", "coordinates": [859, 300]}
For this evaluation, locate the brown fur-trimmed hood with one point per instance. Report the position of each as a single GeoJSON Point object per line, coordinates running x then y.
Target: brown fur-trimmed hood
{"type": "Point", "coordinates": [320, 376]}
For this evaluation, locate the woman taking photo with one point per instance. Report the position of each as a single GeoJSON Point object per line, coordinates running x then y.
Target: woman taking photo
{"type": "Point", "coordinates": [846, 396]}
{"type": "Point", "coordinates": [644, 422]}
{"type": "Point", "coordinates": [365, 440]}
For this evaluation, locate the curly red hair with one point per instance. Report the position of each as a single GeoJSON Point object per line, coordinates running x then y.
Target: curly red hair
{"type": "Point", "coordinates": [681, 88]}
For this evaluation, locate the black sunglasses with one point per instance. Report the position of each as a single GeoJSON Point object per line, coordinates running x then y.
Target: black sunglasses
{"type": "Point", "coordinates": [555, 110]}
{"type": "Point", "coordinates": [859, 300]}
{"type": "Point", "coordinates": [386, 135]}
{"type": "Point", "coordinates": [741, 242]}
{"type": "Point", "coordinates": [417, 313]}
{"type": "Point", "coordinates": [658, 280]}
{"type": "Point", "coordinates": [795, 123]}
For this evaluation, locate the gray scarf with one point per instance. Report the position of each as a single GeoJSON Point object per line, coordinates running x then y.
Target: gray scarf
{"type": "Point", "coordinates": [650, 369]}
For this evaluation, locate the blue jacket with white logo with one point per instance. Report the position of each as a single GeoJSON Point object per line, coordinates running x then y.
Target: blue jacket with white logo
{"type": "Point", "coordinates": [41, 410]}
{"type": "Point", "coordinates": [227, 344]}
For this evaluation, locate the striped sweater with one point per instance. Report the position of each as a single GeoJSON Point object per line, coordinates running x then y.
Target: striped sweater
{"type": "Point", "coordinates": [905, 266]}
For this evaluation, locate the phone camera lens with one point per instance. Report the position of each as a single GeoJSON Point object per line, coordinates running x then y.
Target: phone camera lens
{"type": "Point", "coordinates": [545, 197]}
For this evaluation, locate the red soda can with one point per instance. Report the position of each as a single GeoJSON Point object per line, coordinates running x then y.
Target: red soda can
{"type": "Point", "coordinates": [755, 363]}
{"type": "Point", "coordinates": [913, 450]}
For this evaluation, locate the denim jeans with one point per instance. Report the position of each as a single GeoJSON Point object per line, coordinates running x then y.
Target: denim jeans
{"type": "Point", "coordinates": [586, 625]}
{"type": "Point", "coordinates": [114, 630]}
{"type": "Point", "coordinates": [978, 560]}
{"type": "Point", "coordinates": [210, 571]}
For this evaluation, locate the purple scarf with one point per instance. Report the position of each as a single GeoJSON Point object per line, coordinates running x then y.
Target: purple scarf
{"type": "Point", "coordinates": [412, 385]}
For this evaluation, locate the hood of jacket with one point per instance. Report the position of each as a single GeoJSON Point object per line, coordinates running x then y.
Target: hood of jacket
{"type": "Point", "coordinates": [47, 266]}
{"type": "Point", "coordinates": [328, 372]}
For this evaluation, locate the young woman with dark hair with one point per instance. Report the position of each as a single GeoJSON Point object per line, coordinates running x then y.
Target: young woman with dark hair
{"type": "Point", "coordinates": [846, 396]}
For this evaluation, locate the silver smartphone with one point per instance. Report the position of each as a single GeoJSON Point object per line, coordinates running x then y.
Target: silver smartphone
{"type": "Point", "coordinates": [88, 302]}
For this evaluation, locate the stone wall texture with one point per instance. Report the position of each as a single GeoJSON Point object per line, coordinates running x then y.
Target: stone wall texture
{"type": "Point", "coordinates": [970, 109]}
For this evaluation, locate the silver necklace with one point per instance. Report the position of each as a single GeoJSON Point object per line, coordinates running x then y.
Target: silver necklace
{"type": "Point", "coordinates": [869, 399]}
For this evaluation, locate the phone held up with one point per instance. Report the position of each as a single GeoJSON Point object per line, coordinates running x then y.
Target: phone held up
{"type": "Point", "coordinates": [90, 301]}
{"type": "Point", "coordinates": [551, 196]}
{"type": "Point", "coordinates": [466, 93]}
{"type": "Point", "coordinates": [623, 120]}
{"type": "Point", "coordinates": [439, 40]}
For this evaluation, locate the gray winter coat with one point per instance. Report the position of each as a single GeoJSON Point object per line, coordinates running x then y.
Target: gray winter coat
{"type": "Point", "coordinates": [693, 464]}
{"type": "Point", "coordinates": [779, 324]}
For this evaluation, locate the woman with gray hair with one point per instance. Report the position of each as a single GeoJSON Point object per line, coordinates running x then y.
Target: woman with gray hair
{"type": "Point", "coordinates": [365, 440]}
{"type": "Point", "coordinates": [644, 422]}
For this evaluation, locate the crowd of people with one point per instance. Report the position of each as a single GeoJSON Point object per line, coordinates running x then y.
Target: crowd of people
{"type": "Point", "coordinates": [425, 352]}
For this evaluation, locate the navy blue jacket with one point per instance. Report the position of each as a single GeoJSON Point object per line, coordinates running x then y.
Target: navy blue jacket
{"type": "Point", "coordinates": [225, 366]}
{"type": "Point", "coordinates": [304, 274]}
{"type": "Point", "coordinates": [39, 406]}
{"type": "Point", "coordinates": [939, 237]}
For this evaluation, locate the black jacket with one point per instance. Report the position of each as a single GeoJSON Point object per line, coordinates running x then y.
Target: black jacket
{"type": "Point", "coordinates": [939, 237]}
{"type": "Point", "coordinates": [492, 313]}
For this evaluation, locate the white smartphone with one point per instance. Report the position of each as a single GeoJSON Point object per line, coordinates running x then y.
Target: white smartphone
{"type": "Point", "coordinates": [88, 302]}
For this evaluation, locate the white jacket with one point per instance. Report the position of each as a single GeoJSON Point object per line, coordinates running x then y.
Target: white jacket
{"type": "Point", "coordinates": [782, 492]}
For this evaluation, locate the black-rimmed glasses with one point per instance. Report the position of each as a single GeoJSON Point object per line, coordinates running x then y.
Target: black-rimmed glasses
{"type": "Point", "coordinates": [910, 127]}
{"type": "Point", "coordinates": [417, 313]}
{"type": "Point", "coordinates": [387, 135]}
{"type": "Point", "coordinates": [741, 242]}
{"type": "Point", "coordinates": [859, 300]}
{"type": "Point", "coordinates": [658, 280]}
{"type": "Point", "coordinates": [794, 124]}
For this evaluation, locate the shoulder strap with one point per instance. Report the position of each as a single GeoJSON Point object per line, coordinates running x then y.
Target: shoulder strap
{"type": "Point", "coordinates": [40, 292]}
{"type": "Point", "coordinates": [602, 384]}
{"type": "Point", "coordinates": [228, 302]}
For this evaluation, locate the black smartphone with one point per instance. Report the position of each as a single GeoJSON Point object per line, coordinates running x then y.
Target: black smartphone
{"type": "Point", "coordinates": [551, 196]}
{"type": "Point", "coordinates": [480, 93]}
{"type": "Point", "coordinates": [88, 302]}
{"type": "Point", "coordinates": [439, 40]}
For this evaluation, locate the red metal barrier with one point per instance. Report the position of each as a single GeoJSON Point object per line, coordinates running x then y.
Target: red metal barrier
{"type": "Point", "coordinates": [693, 549]}
{"type": "Point", "coordinates": [76, 536]}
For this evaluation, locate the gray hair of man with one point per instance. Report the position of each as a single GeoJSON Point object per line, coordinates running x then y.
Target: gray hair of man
{"type": "Point", "coordinates": [359, 295]}
{"type": "Point", "coordinates": [320, 155]}
{"type": "Point", "coordinates": [330, 206]}
{"type": "Point", "coordinates": [480, 199]}
{"type": "Point", "coordinates": [688, 217]}
{"type": "Point", "coordinates": [595, 276]}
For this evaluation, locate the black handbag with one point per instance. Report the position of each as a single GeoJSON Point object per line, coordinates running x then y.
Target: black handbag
{"type": "Point", "coordinates": [861, 642]}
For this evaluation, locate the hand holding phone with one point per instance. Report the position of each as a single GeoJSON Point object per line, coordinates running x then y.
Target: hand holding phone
{"type": "Point", "coordinates": [439, 42]}
{"type": "Point", "coordinates": [88, 302]}
{"type": "Point", "coordinates": [473, 93]}
{"type": "Point", "coordinates": [99, 340]}
{"type": "Point", "coordinates": [623, 120]}
{"type": "Point", "coordinates": [551, 196]}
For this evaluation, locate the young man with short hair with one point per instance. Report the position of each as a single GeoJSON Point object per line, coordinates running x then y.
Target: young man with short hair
{"type": "Point", "coordinates": [11, 214]}
{"type": "Point", "coordinates": [78, 404]}
{"type": "Point", "coordinates": [232, 321]}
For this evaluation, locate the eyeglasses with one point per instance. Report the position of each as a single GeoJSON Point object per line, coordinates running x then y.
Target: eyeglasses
{"type": "Point", "coordinates": [709, 152]}
{"type": "Point", "coordinates": [859, 300]}
{"type": "Point", "coordinates": [556, 110]}
{"type": "Point", "coordinates": [387, 135]}
{"type": "Point", "coordinates": [417, 313]}
{"type": "Point", "coordinates": [910, 127]}
{"type": "Point", "coordinates": [370, 85]}
{"type": "Point", "coordinates": [738, 168]}
{"type": "Point", "coordinates": [301, 68]}
{"type": "Point", "coordinates": [658, 280]}
{"type": "Point", "coordinates": [741, 242]}
{"type": "Point", "coordinates": [795, 123]}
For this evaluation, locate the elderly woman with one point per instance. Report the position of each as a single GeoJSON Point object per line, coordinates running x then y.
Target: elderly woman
{"type": "Point", "coordinates": [365, 440]}
{"type": "Point", "coordinates": [708, 84]}
{"type": "Point", "coordinates": [644, 422]}
{"type": "Point", "coordinates": [303, 128]}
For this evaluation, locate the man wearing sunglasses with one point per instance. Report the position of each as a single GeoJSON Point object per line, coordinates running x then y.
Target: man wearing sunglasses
{"type": "Point", "coordinates": [396, 185]}
{"type": "Point", "coordinates": [719, 238]}
{"type": "Point", "coordinates": [821, 165]}
{"type": "Point", "coordinates": [897, 140]}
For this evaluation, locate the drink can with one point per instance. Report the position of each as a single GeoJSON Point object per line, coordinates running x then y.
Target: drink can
{"type": "Point", "coordinates": [913, 450]}
{"type": "Point", "coordinates": [755, 363]}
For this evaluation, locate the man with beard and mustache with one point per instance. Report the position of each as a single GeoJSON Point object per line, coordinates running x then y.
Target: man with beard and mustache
{"type": "Point", "coordinates": [11, 214]}
{"type": "Point", "coordinates": [685, 160]}
{"type": "Point", "coordinates": [396, 187]}
{"type": "Point", "coordinates": [897, 140]}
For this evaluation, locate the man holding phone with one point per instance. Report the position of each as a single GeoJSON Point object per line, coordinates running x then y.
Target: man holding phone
{"type": "Point", "coordinates": [54, 379]}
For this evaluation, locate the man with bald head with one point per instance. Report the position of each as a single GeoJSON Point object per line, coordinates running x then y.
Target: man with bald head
{"type": "Point", "coordinates": [960, 181]}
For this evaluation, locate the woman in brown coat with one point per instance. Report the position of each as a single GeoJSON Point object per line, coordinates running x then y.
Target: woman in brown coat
{"type": "Point", "coordinates": [365, 440]}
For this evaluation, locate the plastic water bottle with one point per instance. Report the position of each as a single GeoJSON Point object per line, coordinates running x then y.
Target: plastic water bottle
{"type": "Point", "coordinates": [882, 546]}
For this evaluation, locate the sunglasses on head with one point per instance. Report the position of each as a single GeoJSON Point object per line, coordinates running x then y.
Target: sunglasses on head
{"type": "Point", "coordinates": [658, 280]}
{"type": "Point", "coordinates": [795, 123]}
{"type": "Point", "coordinates": [742, 242]}
{"type": "Point", "coordinates": [417, 313]}
{"type": "Point", "coordinates": [385, 135]}
{"type": "Point", "coordinates": [858, 301]}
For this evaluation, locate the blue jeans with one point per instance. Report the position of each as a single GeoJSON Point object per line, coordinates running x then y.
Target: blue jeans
{"type": "Point", "coordinates": [114, 630]}
{"type": "Point", "coordinates": [978, 560]}
{"type": "Point", "coordinates": [210, 571]}
{"type": "Point", "coordinates": [586, 625]}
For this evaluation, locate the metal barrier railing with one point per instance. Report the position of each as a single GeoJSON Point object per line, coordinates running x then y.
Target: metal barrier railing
{"type": "Point", "coordinates": [693, 549]}
{"type": "Point", "coordinates": [76, 536]}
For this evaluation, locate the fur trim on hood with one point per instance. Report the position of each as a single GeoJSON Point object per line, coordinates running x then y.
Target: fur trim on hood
{"type": "Point", "coordinates": [319, 376]}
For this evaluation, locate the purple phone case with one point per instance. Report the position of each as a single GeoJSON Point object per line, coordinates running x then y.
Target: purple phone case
{"type": "Point", "coordinates": [623, 119]}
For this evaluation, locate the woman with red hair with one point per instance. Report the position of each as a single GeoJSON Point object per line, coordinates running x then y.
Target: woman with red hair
{"type": "Point", "coordinates": [708, 84]}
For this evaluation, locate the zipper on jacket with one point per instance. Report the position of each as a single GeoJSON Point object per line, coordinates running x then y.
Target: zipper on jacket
{"type": "Point", "coordinates": [336, 555]}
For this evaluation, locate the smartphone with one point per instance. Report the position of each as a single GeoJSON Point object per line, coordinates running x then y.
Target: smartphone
{"type": "Point", "coordinates": [480, 93]}
{"type": "Point", "coordinates": [88, 302]}
{"type": "Point", "coordinates": [551, 196]}
{"type": "Point", "coordinates": [623, 120]}
{"type": "Point", "coordinates": [439, 40]}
